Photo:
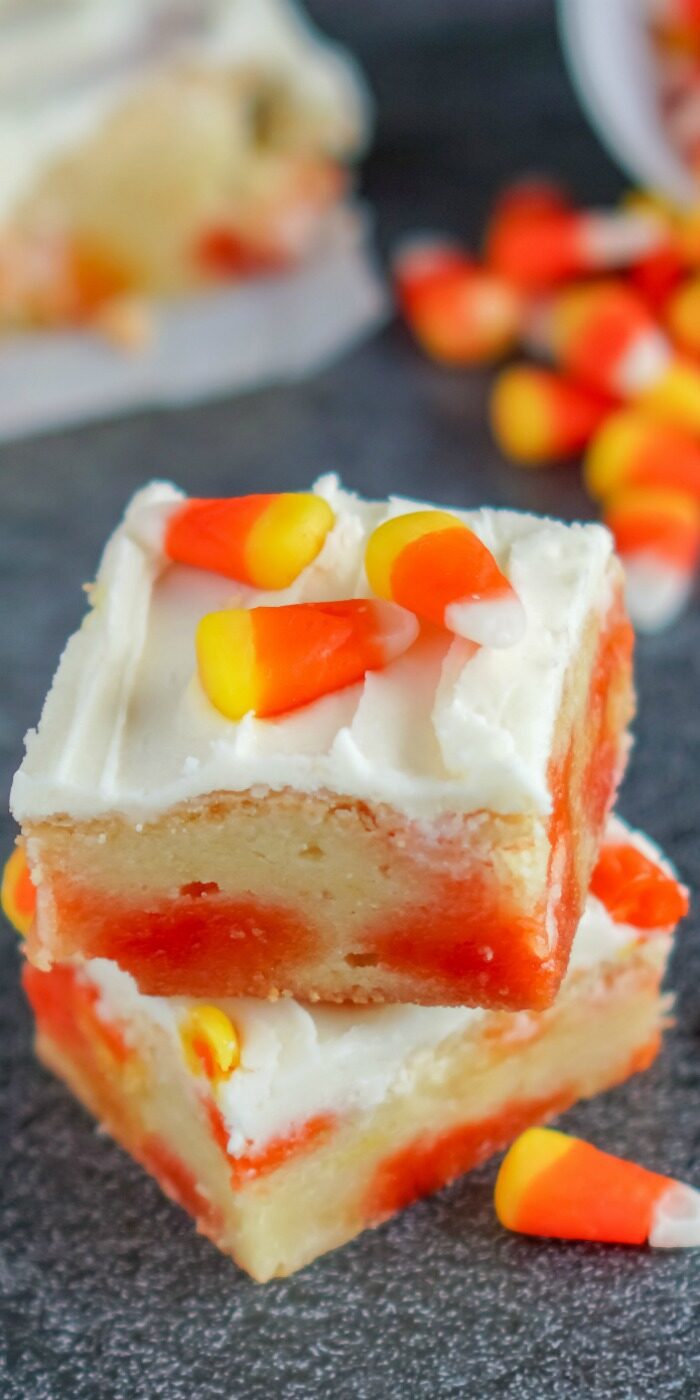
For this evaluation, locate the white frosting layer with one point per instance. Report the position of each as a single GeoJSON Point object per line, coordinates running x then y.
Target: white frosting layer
{"type": "Point", "coordinates": [127, 728]}
{"type": "Point", "coordinates": [66, 64]}
{"type": "Point", "coordinates": [299, 1061]}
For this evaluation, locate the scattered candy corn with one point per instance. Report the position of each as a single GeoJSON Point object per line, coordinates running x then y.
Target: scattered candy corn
{"type": "Point", "coordinates": [556, 245]}
{"type": "Point", "coordinates": [18, 895]}
{"type": "Point", "coordinates": [682, 316]}
{"type": "Point", "coordinates": [656, 276]}
{"type": "Point", "coordinates": [210, 1042]}
{"type": "Point", "coordinates": [602, 333]}
{"type": "Point", "coordinates": [637, 890]}
{"type": "Point", "coordinates": [431, 563]}
{"type": "Point", "coordinates": [559, 1187]}
{"type": "Point", "coordinates": [459, 312]}
{"type": "Point", "coordinates": [264, 541]}
{"type": "Point", "coordinates": [624, 352]}
{"type": "Point", "coordinates": [526, 197]}
{"type": "Point", "coordinates": [539, 416]}
{"type": "Point", "coordinates": [421, 261]}
{"type": "Point", "coordinates": [632, 449]}
{"type": "Point", "coordinates": [271, 660]}
{"type": "Point", "coordinates": [657, 534]}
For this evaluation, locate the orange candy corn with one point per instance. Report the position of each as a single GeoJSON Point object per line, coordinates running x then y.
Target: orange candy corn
{"type": "Point", "coordinates": [18, 895]}
{"type": "Point", "coordinates": [603, 334]}
{"type": "Point", "coordinates": [632, 449]}
{"type": "Point", "coordinates": [459, 313]}
{"type": "Point", "coordinates": [663, 522]}
{"type": "Point", "coordinates": [421, 261]}
{"type": "Point", "coordinates": [637, 890]}
{"type": "Point", "coordinates": [264, 541]}
{"type": "Point", "coordinates": [552, 246]}
{"type": "Point", "coordinates": [682, 316]}
{"type": "Point", "coordinates": [269, 661]}
{"type": "Point", "coordinates": [657, 276]}
{"type": "Point", "coordinates": [657, 534]}
{"type": "Point", "coordinates": [538, 416]}
{"type": "Point", "coordinates": [559, 1187]}
{"type": "Point", "coordinates": [526, 198]}
{"type": "Point", "coordinates": [431, 563]}
{"type": "Point", "coordinates": [676, 12]}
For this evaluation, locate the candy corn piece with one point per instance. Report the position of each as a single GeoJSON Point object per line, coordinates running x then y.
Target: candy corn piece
{"type": "Point", "coordinates": [657, 533]}
{"type": "Point", "coordinates": [431, 563]}
{"type": "Point", "coordinates": [527, 198]}
{"type": "Point", "coordinates": [633, 449]}
{"type": "Point", "coordinates": [682, 316]}
{"type": "Point", "coordinates": [18, 895]}
{"type": "Point", "coordinates": [674, 12]}
{"type": "Point", "coordinates": [658, 275]}
{"type": "Point", "coordinates": [422, 260]}
{"type": "Point", "coordinates": [264, 541]}
{"type": "Point", "coordinates": [267, 661]}
{"type": "Point", "coordinates": [538, 416]}
{"type": "Point", "coordinates": [552, 246]}
{"type": "Point", "coordinates": [637, 890]}
{"type": "Point", "coordinates": [603, 334]}
{"type": "Point", "coordinates": [459, 312]}
{"type": "Point", "coordinates": [210, 1042]}
{"type": "Point", "coordinates": [559, 1187]}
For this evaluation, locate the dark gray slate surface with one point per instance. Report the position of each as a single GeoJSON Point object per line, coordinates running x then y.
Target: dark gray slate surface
{"type": "Point", "coordinates": [106, 1290]}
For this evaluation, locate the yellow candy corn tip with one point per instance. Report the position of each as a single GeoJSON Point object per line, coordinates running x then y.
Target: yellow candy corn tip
{"type": "Point", "coordinates": [286, 538]}
{"type": "Point", "coordinates": [226, 661]}
{"type": "Point", "coordinates": [14, 871]}
{"type": "Point", "coordinates": [520, 419]}
{"type": "Point", "coordinates": [683, 314]}
{"type": "Point", "coordinates": [675, 397]}
{"type": "Point", "coordinates": [210, 1042]}
{"type": "Point", "coordinates": [533, 1152]}
{"type": "Point", "coordinates": [612, 452]}
{"type": "Point", "coordinates": [387, 541]}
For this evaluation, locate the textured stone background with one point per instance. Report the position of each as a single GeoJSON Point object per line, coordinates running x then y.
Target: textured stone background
{"type": "Point", "coordinates": [106, 1290]}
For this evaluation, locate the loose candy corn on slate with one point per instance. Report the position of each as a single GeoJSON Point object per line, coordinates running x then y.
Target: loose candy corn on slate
{"type": "Point", "coordinates": [681, 316]}
{"type": "Point", "coordinates": [538, 416]}
{"type": "Point", "coordinates": [603, 334]}
{"type": "Point", "coordinates": [554, 1185]}
{"type": "Point", "coordinates": [547, 247]}
{"type": "Point", "coordinates": [657, 534]}
{"type": "Point", "coordinates": [428, 561]}
{"type": "Point", "coordinates": [356, 847]}
{"type": "Point", "coordinates": [632, 449]}
{"type": "Point", "coordinates": [625, 340]}
{"type": "Point", "coordinates": [459, 312]}
{"type": "Point", "coordinates": [286, 1129]}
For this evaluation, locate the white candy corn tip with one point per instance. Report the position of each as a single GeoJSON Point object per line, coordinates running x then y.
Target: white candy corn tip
{"type": "Point", "coordinates": [642, 366]}
{"type": "Point", "coordinates": [397, 628]}
{"type": "Point", "coordinates": [496, 622]}
{"type": "Point", "coordinates": [146, 525]}
{"type": "Point", "coordinates": [614, 239]}
{"type": "Point", "coordinates": [655, 592]}
{"type": "Point", "coordinates": [676, 1219]}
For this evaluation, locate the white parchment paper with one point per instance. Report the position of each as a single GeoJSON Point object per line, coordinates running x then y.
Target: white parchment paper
{"type": "Point", "coordinates": [219, 342]}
